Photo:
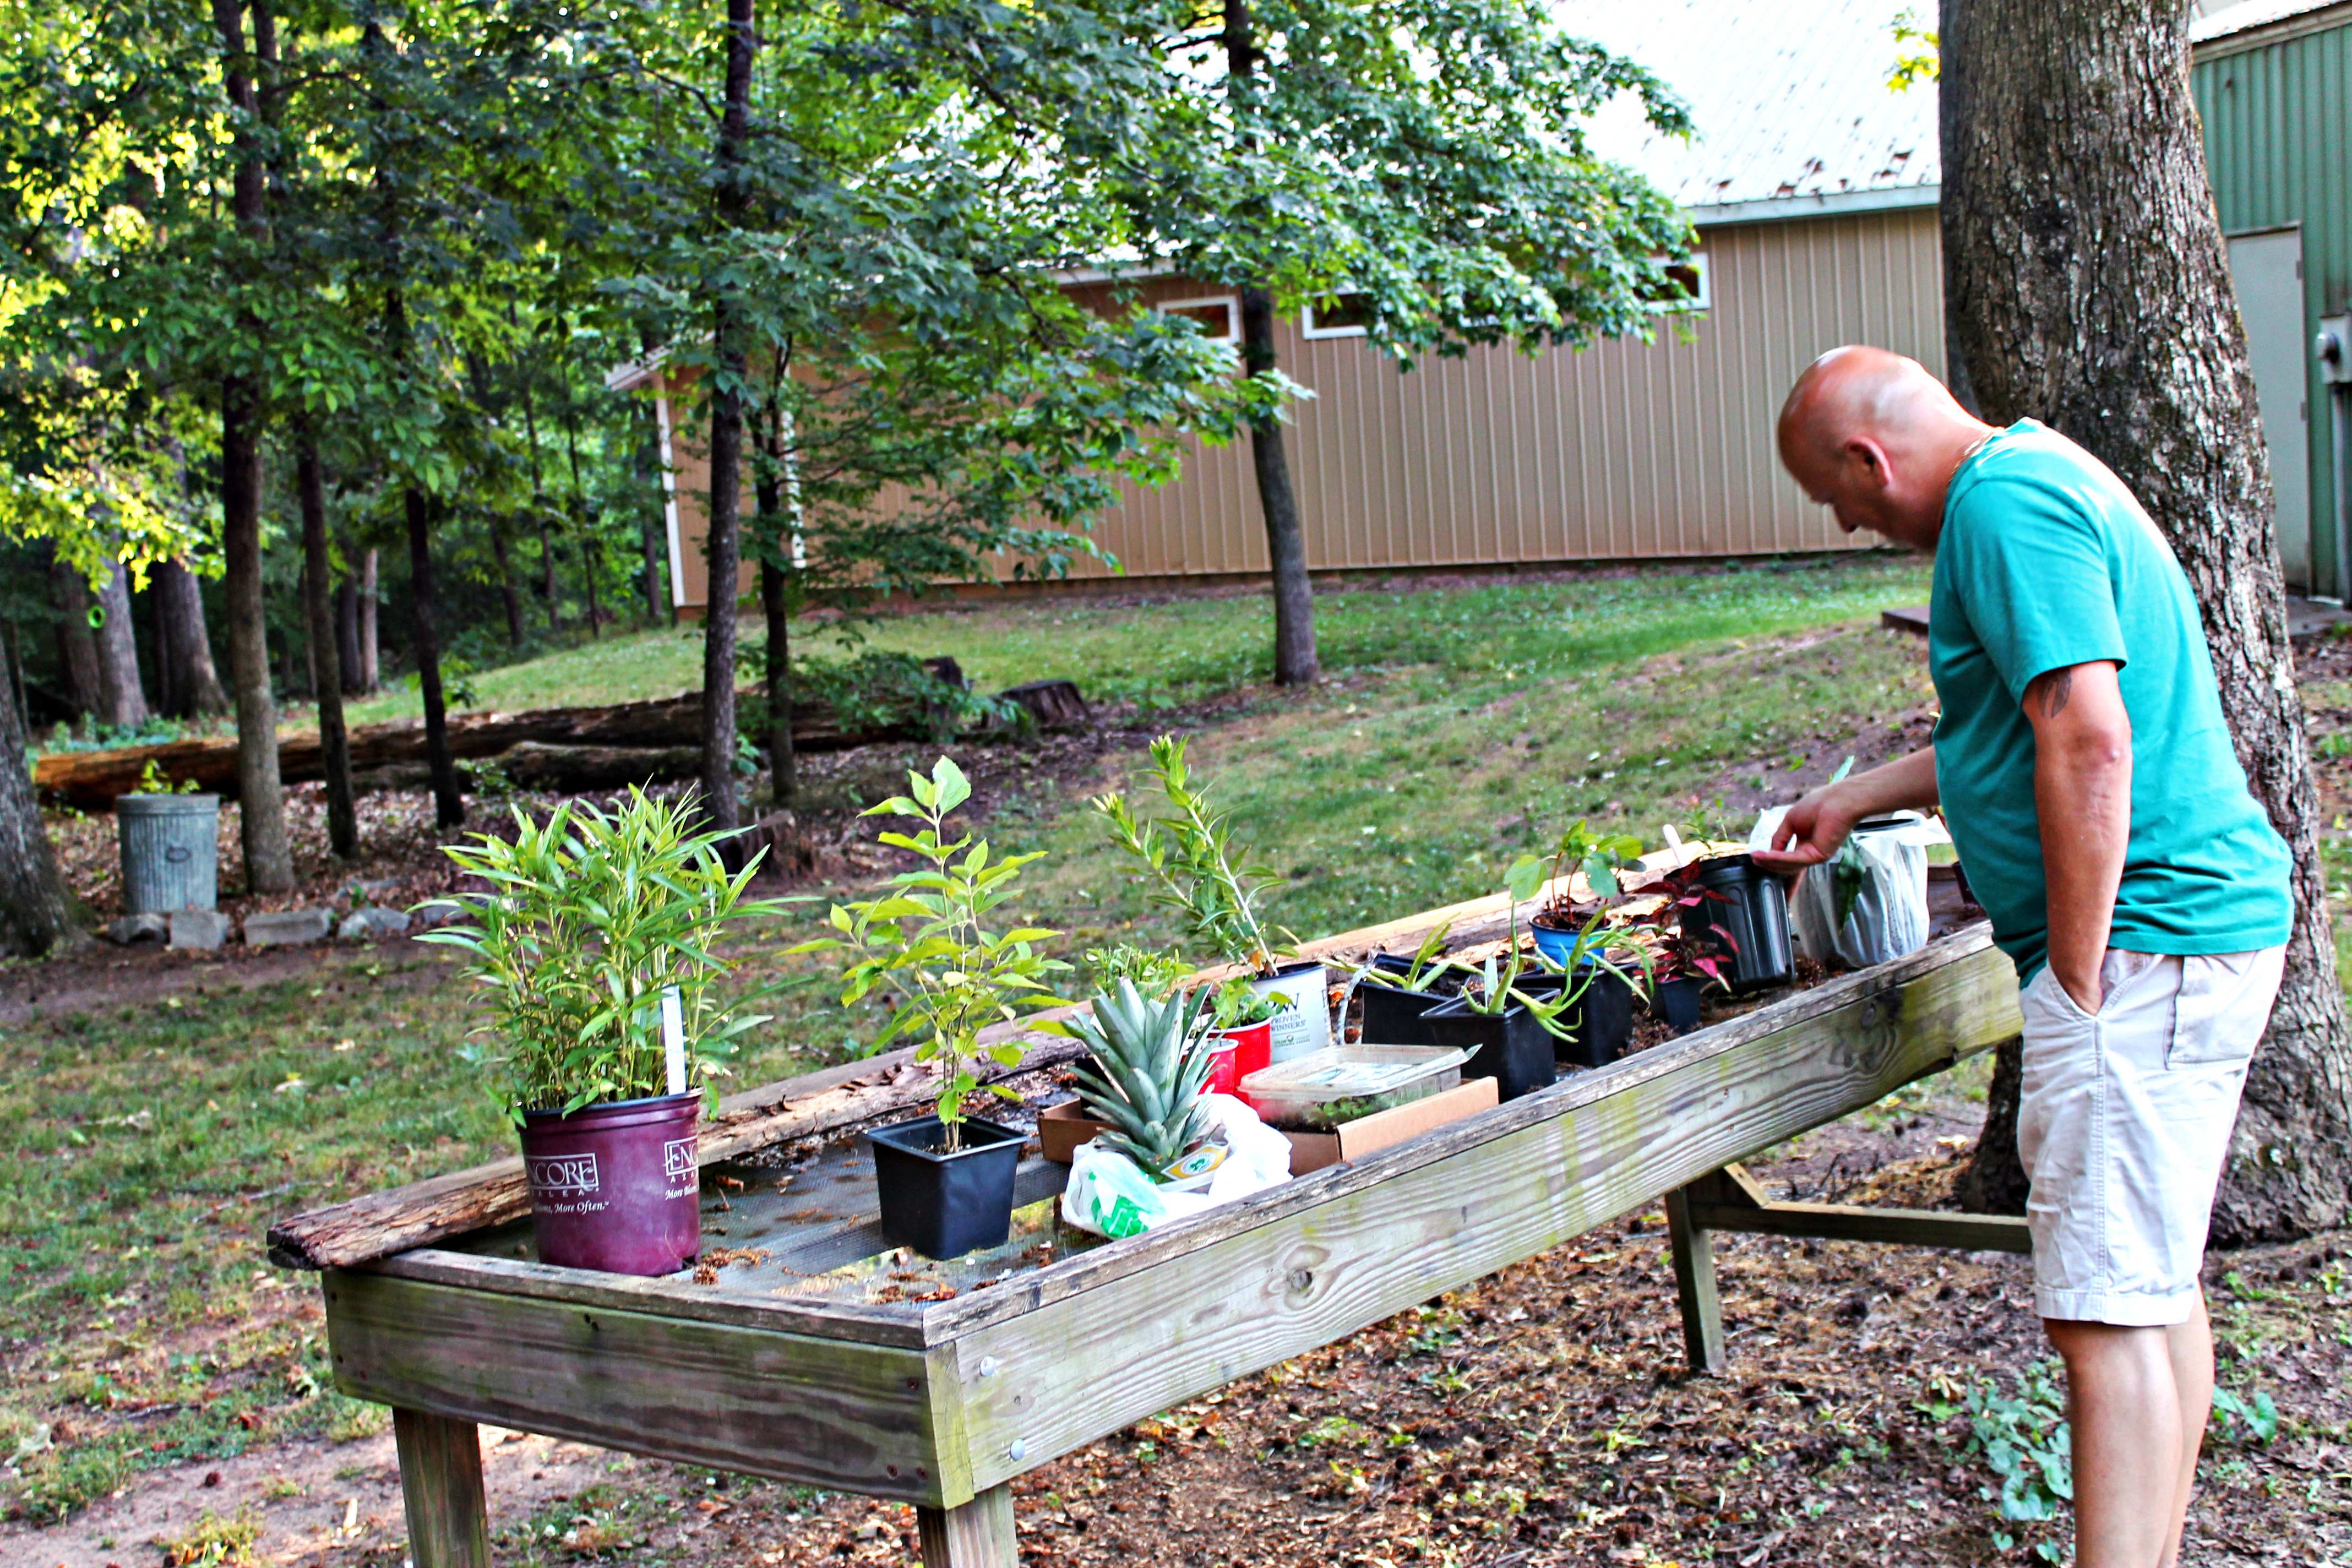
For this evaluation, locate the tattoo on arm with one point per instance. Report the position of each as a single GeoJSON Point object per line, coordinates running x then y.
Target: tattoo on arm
{"type": "Point", "coordinates": [2057, 689]}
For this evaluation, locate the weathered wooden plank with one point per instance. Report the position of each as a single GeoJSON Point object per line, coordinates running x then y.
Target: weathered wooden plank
{"type": "Point", "coordinates": [1231, 1294]}
{"type": "Point", "coordinates": [1938, 1003]}
{"type": "Point", "coordinates": [441, 1490]}
{"type": "Point", "coordinates": [799, 1407]}
{"type": "Point", "coordinates": [1853, 1222]}
{"type": "Point", "coordinates": [978, 1534]}
{"type": "Point", "coordinates": [1694, 1287]}
{"type": "Point", "coordinates": [675, 1297]}
{"type": "Point", "coordinates": [1731, 1199]}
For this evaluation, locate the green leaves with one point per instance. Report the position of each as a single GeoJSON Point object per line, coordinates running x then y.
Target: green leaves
{"type": "Point", "coordinates": [591, 915]}
{"type": "Point", "coordinates": [1190, 856]}
{"type": "Point", "coordinates": [929, 940]}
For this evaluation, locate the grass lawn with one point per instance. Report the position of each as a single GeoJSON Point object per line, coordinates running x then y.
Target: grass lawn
{"type": "Point", "coordinates": [1171, 651]}
{"type": "Point", "coordinates": [144, 1149]}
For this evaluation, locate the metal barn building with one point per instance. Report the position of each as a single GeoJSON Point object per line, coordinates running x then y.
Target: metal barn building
{"type": "Point", "coordinates": [2273, 86]}
{"type": "Point", "coordinates": [1813, 186]}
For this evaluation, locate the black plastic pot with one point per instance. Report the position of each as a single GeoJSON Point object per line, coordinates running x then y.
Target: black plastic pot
{"type": "Point", "coordinates": [1511, 1047]}
{"type": "Point", "coordinates": [1677, 1001]}
{"type": "Point", "coordinates": [1394, 1017]}
{"type": "Point", "coordinates": [945, 1204]}
{"type": "Point", "coordinates": [1599, 1022]}
{"type": "Point", "coordinates": [1750, 906]}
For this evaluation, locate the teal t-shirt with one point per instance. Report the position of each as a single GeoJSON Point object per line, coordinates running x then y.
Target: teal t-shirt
{"type": "Point", "coordinates": [2046, 561]}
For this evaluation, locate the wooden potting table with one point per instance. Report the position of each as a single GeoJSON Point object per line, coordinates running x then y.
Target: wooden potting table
{"type": "Point", "coordinates": [819, 1356]}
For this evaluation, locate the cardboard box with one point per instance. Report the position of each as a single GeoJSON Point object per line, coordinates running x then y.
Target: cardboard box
{"type": "Point", "coordinates": [1062, 1127]}
{"type": "Point", "coordinates": [1354, 1140]}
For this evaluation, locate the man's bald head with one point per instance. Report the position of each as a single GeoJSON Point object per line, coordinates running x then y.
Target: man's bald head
{"type": "Point", "coordinates": [1872, 435]}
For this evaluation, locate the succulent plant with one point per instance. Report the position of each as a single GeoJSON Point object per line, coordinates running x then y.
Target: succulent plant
{"type": "Point", "coordinates": [1149, 1060]}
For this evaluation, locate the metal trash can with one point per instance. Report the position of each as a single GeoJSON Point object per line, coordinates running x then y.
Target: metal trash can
{"type": "Point", "coordinates": [170, 851]}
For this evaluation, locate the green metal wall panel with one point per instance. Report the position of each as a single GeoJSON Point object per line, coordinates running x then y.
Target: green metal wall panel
{"type": "Point", "coordinates": [2278, 146]}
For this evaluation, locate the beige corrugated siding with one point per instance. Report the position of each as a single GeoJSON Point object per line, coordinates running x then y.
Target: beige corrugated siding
{"type": "Point", "coordinates": [1626, 450]}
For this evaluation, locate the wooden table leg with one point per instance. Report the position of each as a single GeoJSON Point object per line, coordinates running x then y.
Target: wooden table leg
{"type": "Point", "coordinates": [1694, 1255]}
{"type": "Point", "coordinates": [976, 1535]}
{"type": "Point", "coordinates": [441, 1489]}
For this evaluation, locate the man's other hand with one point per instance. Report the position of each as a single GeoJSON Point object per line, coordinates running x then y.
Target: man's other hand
{"type": "Point", "coordinates": [1812, 831]}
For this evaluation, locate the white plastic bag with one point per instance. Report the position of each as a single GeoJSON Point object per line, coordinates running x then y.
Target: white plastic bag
{"type": "Point", "coordinates": [1109, 1196]}
{"type": "Point", "coordinates": [1889, 912]}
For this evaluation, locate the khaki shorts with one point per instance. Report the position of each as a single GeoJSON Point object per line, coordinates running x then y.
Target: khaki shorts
{"type": "Point", "coordinates": [2122, 1121]}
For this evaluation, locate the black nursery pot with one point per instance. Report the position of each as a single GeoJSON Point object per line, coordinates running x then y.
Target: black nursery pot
{"type": "Point", "coordinates": [1394, 1017]}
{"type": "Point", "coordinates": [1677, 1001]}
{"type": "Point", "coordinates": [1599, 1022]}
{"type": "Point", "coordinates": [1752, 908]}
{"type": "Point", "coordinates": [1511, 1047]}
{"type": "Point", "coordinates": [945, 1204]}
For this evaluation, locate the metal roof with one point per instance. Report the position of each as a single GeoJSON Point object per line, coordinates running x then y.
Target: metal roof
{"type": "Point", "coordinates": [2232, 18]}
{"type": "Point", "coordinates": [1790, 101]}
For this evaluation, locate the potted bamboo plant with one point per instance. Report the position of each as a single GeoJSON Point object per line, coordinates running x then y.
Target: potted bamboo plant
{"type": "Point", "coordinates": [945, 1178]}
{"type": "Point", "coordinates": [596, 948]}
{"type": "Point", "coordinates": [1190, 856]}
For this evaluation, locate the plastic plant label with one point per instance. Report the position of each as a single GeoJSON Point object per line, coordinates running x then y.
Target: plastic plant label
{"type": "Point", "coordinates": [673, 1038]}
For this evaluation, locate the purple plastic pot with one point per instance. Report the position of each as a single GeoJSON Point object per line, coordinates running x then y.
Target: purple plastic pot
{"type": "Point", "coordinates": [616, 1187]}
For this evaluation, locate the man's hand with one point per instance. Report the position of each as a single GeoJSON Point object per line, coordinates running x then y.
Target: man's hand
{"type": "Point", "coordinates": [1812, 831]}
{"type": "Point", "coordinates": [1818, 824]}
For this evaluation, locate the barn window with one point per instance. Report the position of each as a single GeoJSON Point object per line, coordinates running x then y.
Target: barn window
{"type": "Point", "coordinates": [1219, 316]}
{"type": "Point", "coordinates": [1689, 285]}
{"type": "Point", "coordinates": [1348, 316]}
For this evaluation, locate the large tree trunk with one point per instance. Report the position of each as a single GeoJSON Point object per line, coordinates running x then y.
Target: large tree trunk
{"type": "Point", "coordinates": [1295, 660]}
{"type": "Point", "coordinates": [2084, 268]}
{"type": "Point", "coordinates": [448, 805]}
{"type": "Point", "coordinates": [326, 654]}
{"type": "Point", "coordinates": [269, 861]}
{"type": "Point", "coordinates": [35, 912]}
{"type": "Point", "coordinates": [76, 648]}
{"type": "Point", "coordinates": [188, 648]}
{"type": "Point", "coordinates": [725, 445]}
{"type": "Point", "coordinates": [122, 700]}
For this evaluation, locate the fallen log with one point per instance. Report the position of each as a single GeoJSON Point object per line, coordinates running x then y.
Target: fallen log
{"type": "Point", "coordinates": [91, 780]}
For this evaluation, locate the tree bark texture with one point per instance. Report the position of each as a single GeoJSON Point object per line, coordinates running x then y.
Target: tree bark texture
{"type": "Point", "coordinates": [718, 797]}
{"type": "Point", "coordinates": [36, 913]}
{"type": "Point", "coordinates": [1993, 1181]}
{"type": "Point", "coordinates": [326, 654]}
{"type": "Point", "coordinates": [121, 697]}
{"type": "Point", "coordinates": [268, 860]}
{"type": "Point", "coordinates": [582, 528]}
{"type": "Point", "coordinates": [448, 805]}
{"type": "Point", "coordinates": [1295, 660]}
{"type": "Point", "coordinates": [538, 508]}
{"type": "Point", "coordinates": [188, 647]}
{"type": "Point", "coordinates": [2085, 270]}
{"type": "Point", "coordinates": [76, 648]}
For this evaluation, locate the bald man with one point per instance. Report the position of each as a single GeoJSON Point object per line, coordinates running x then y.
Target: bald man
{"type": "Point", "coordinates": [2082, 761]}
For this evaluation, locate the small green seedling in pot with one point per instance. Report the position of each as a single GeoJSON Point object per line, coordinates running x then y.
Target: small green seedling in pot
{"type": "Point", "coordinates": [1199, 871]}
{"type": "Point", "coordinates": [930, 940]}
